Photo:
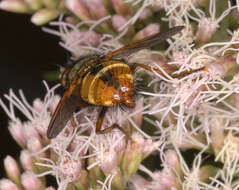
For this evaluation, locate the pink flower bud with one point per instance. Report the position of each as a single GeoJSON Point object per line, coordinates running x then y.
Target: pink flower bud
{"type": "Point", "coordinates": [118, 21]}
{"type": "Point", "coordinates": [205, 31]}
{"type": "Point", "coordinates": [70, 168]}
{"type": "Point", "coordinates": [16, 6]}
{"type": "Point", "coordinates": [198, 3]}
{"type": "Point", "coordinates": [30, 131]}
{"type": "Point", "coordinates": [109, 162]}
{"type": "Point", "coordinates": [44, 16]}
{"type": "Point", "coordinates": [138, 182]}
{"type": "Point", "coordinates": [16, 130]}
{"type": "Point", "coordinates": [71, 20]}
{"type": "Point", "coordinates": [31, 182]}
{"type": "Point", "coordinates": [171, 159]}
{"type": "Point", "coordinates": [75, 39]}
{"type": "Point", "coordinates": [146, 146]}
{"type": "Point", "coordinates": [157, 6]}
{"type": "Point", "coordinates": [147, 31]}
{"type": "Point", "coordinates": [165, 179]}
{"type": "Point", "coordinates": [79, 8]}
{"type": "Point", "coordinates": [133, 156]}
{"type": "Point", "coordinates": [121, 7]}
{"type": "Point", "coordinates": [6, 184]}
{"type": "Point", "coordinates": [220, 66]}
{"type": "Point", "coordinates": [38, 105]}
{"type": "Point", "coordinates": [137, 118]}
{"type": "Point", "coordinates": [91, 37]}
{"type": "Point", "coordinates": [97, 8]}
{"type": "Point", "coordinates": [53, 104]}
{"type": "Point", "coordinates": [41, 124]}
{"type": "Point", "coordinates": [12, 169]}
{"type": "Point", "coordinates": [146, 13]}
{"type": "Point", "coordinates": [218, 135]}
{"type": "Point", "coordinates": [34, 145]}
{"type": "Point", "coordinates": [26, 160]}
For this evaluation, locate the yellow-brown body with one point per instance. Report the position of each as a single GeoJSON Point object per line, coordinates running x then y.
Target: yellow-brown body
{"type": "Point", "coordinates": [100, 82]}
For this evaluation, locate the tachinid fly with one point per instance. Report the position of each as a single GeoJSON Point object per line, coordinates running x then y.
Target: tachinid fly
{"type": "Point", "coordinates": [102, 80]}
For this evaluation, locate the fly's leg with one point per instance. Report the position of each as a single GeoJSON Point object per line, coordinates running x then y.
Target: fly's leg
{"type": "Point", "coordinates": [73, 123]}
{"type": "Point", "coordinates": [107, 130]}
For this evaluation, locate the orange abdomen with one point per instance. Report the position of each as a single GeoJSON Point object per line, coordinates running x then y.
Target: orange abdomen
{"type": "Point", "coordinates": [101, 84]}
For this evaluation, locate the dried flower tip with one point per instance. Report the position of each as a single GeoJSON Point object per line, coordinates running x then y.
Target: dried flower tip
{"type": "Point", "coordinates": [79, 8]}
{"type": "Point", "coordinates": [6, 184]}
{"type": "Point", "coordinates": [16, 6]}
{"type": "Point", "coordinates": [26, 160]}
{"type": "Point", "coordinates": [12, 169]}
{"type": "Point", "coordinates": [31, 182]}
{"type": "Point", "coordinates": [44, 16]}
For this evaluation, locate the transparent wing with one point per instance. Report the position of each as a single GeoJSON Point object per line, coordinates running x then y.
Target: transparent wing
{"type": "Point", "coordinates": [62, 114]}
{"type": "Point", "coordinates": [147, 42]}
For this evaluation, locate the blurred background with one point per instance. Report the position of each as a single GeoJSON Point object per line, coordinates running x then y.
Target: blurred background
{"type": "Point", "coordinates": [26, 55]}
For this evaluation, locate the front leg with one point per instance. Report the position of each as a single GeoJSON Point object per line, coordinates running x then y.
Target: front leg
{"type": "Point", "coordinates": [100, 121]}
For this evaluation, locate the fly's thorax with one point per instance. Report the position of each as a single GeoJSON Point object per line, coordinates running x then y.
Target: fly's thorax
{"type": "Point", "coordinates": [76, 72]}
{"type": "Point", "coordinates": [109, 83]}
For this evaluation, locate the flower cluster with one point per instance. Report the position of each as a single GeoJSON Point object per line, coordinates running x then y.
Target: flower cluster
{"type": "Point", "coordinates": [188, 107]}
